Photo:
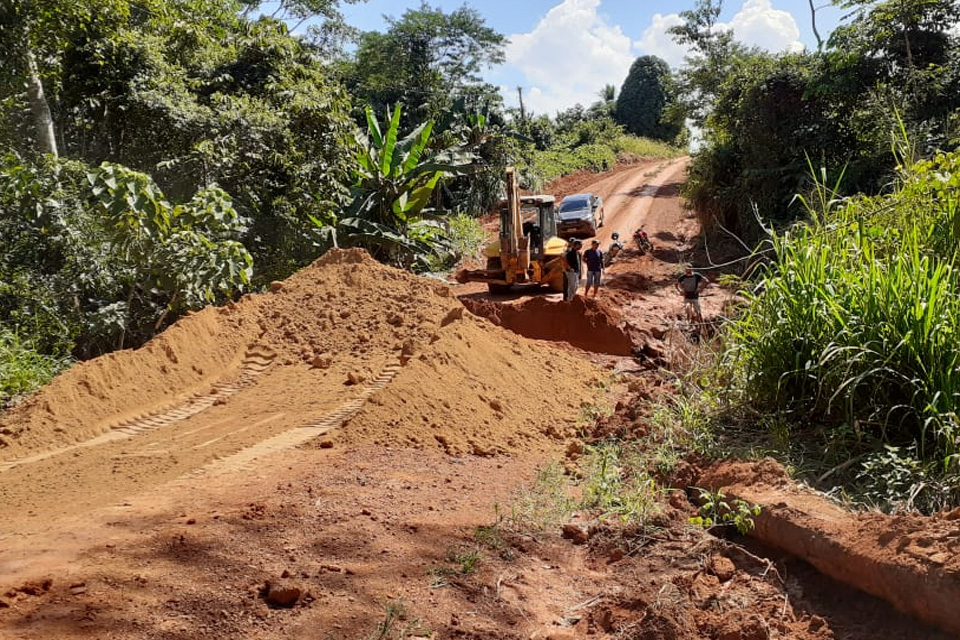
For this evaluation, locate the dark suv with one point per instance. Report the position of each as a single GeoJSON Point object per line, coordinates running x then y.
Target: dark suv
{"type": "Point", "coordinates": [580, 216]}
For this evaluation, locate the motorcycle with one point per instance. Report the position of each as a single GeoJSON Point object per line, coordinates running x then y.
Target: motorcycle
{"type": "Point", "coordinates": [644, 245]}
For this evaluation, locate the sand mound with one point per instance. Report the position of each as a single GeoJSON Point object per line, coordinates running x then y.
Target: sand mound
{"type": "Point", "coordinates": [586, 323]}
{"type": "Point", "coordinates": [478, 389]}
{"type": "Point", "coordinates": [82, 402]}
{"type": "Point", "coordinates": [333, 325]}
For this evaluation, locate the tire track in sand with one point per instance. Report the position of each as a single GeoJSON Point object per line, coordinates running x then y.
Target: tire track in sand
{"type": "Point", "coordinates": [255, 363]}
{"type": "Point", "coordinates": [244, 459]}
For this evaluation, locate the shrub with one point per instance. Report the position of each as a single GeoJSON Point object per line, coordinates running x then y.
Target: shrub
{"type": "Point", "coordinates": [856, 319]}
{"type": "Point", "coordinates": [23, 369]}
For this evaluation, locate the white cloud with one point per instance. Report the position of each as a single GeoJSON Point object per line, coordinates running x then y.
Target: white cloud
{"type": "Point", "coordinates": [569, 56]}
{"type": "Point", "coordinates": [756, 24]}
{"type": "Point", "coordinates": [759, 24]}
{"type": "Point", "coordinates": [657, 42]}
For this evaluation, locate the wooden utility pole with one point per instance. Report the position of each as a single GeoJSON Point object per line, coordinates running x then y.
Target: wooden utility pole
{"type": "Point", "coordinates": [523, 114]}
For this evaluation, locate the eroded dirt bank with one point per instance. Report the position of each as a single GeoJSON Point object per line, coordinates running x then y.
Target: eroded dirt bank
{"type": "Point", "coordinates": [585, 323]}
{"type": "Point", "coordinates": [910, 561]}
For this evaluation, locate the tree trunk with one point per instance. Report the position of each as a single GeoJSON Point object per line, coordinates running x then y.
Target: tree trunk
{"type": "Point", "coordinates": [813, 22]}
{"type": "Point", "coordinates": [42, 120]}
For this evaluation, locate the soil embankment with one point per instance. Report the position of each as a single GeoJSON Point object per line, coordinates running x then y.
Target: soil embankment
{"type": "Point", "coordinates": [347, 347]}
{"type": "Point", "coordinates": [585, 323]}
{"type": "Point", "coordinates": [910, 561]}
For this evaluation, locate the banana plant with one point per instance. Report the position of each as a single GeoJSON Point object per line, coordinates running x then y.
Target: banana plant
{"type": "Point", "coordinates": [394, 180]}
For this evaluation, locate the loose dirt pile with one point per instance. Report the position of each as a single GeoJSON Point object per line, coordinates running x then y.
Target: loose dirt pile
{"type": "Point", "coordinates": [475, 388]}
{"type": "Point", "coordinates": [586, 323]}
{"type": "Point", "coordinates": [338, 322]}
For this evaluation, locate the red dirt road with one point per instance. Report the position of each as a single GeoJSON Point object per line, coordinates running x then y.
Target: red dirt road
{"type": "Point", "coordinates": [380, 459]}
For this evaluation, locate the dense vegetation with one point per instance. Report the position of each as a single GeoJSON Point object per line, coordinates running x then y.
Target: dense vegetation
{"type": "Point", "coordinates": [158, 156]}
{"type": "Point", "coordinates": [849, 338]}
{"type": "Point", "coordinates": [644, 105]}
{"type": "Point", "coordinates": [841, 165]}
{"type": "Point", "coordinates": [765, 117]}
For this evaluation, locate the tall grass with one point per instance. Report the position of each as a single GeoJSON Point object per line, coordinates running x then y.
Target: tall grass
{"type": "Point", "coordinates": [857, 321]}
{"type": "Point", "coordinates": [23, 369]}
{"type": "Point", "coordinates": [627, 145]}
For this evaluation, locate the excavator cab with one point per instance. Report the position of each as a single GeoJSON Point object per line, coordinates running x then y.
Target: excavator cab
{"type": "Point", "coordinates": [528, 250]}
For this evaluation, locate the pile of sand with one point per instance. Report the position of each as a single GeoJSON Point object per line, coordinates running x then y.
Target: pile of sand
{"type": "Point", "coordinates": [467, 385]}
{"type": "Point", "coordinates": [476, 388]}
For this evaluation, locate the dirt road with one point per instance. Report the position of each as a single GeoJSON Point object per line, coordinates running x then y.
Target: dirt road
{"type": "Point", "coordinates": [314, 463]}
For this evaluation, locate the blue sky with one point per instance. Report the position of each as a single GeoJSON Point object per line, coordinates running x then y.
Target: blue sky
{"type": "Point", "coordinates": [564, 52]}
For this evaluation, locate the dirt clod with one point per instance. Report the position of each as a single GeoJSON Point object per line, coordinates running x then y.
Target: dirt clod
{"type": "Point", "coordinates": [283, 595]}
{"type": "Point", "coordinates": [576, 533]}
{"type": "Point", "coordinates": [722, 567]}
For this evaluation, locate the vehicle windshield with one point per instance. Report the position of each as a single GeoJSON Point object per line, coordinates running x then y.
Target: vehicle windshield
{"type": "Point", "coordinates": [574, 208]}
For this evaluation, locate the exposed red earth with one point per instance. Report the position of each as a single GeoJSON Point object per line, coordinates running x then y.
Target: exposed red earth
{"type": "Point", "coordinates": [302, 462]}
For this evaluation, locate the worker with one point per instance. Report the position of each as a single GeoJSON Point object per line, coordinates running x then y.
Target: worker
{"type": "Point", "coordinates": [690, 284]}
{"type": "Point", "coordinates": [572, 270]}
{"type": "Point", "coordinates": [594, 259]}
{"type": "Point", "coordinates": [615, 248]}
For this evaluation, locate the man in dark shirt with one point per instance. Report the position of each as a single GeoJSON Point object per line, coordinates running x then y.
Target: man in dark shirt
{"type": "Point", "coordinates": [572, 270]}
{"type": "Point", "coordinates": [690, 284]}
{"type": "Point", "coordinates": [594, 259]}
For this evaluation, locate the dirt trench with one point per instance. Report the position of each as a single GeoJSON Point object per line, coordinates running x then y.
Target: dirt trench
{"type": "Point", "coordinates": [585, 323]}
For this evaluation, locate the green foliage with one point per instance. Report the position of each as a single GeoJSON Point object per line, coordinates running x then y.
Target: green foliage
{"type": "Point", "coordinates": [465, 239]}
{"type": "Point", "coordinates": [644, 99]}
{"type": "Point", "coordinates": [717, 510]}
{"type": "Point", "coordinates": [854, 322]}
{"type": "Point", "coordinates": [617, 487]}
{"type": "Point", "coordinates": [187, 250]}
{"type": "Point", "coordinates": [23, 369]}
{"type": "Point", "coordinates": [98, 257]}
{"type": "Point", "coordinates": [580, 140]}
{"type": "Point", "coordinates": [394, 181]}
{"type": "Point", "coordinates": [461, 563]}
{"type": "Point", "coordinates": [892, 66]}
{"type": "Point", "coordinates": [549, 165]}
{"type": "Point", "coordinates": [194, 94]}
{"type": "Point", "coordinates": [543, 505]}
{"type": "Point", "coordinates": [633, 148]}
{"type": "Point", "coordinates": [426, 59]}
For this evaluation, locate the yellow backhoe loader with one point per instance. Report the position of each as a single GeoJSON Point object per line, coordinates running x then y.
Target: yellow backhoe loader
{"type": "Point", "coordinates": [528, 250]}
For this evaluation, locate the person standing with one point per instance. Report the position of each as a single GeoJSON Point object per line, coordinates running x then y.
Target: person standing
{"type": "Point", "coordinates": [572, 270]}
{"type": "Point", "coordinates": [594, 259]}
{"type": "Point", "coordinates": [690, 284]}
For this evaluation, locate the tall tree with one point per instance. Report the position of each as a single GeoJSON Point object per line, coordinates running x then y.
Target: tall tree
{"type": "Point", "coordinates": [327, 28]}
{"type": "Point", "coordinates": [644, 98]}
{"type": "Point", "coordinates": [713, 52]}
{"type": "Point", "coordinates": [425, 60]}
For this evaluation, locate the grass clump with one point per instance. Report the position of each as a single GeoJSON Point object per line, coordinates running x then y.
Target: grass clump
{"type": "Point", "coordinates": [616, 484]}
{"type": "Point", "coordinates": [545, 504]}
{"type": "Point", "coordinates": [23, 368]}
{"type": "Point", "coordinates": [397, 625]}
{"type": "Point", "coordinates": [854, 327]}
